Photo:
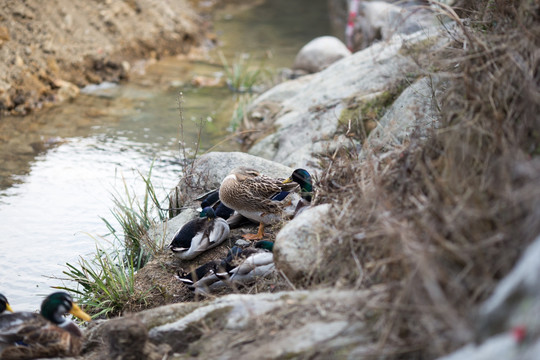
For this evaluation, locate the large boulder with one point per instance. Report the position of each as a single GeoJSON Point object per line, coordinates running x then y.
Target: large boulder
{"type": "Point", "coordinates": [516, 300]}
{"type": "Point", "coordinates": [310, 115]}
{"type": "Point", "coordinates": [320, 53]}
{"type": "Point", "coordinates": [415, 110]}
{"type": "Point", "coordinates": [297, 247]}
{"type": "Point", "coordinates": [207, 172]}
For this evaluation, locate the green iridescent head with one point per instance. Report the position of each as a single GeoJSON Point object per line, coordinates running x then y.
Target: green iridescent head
{"type": "Point", "coordinates": [302, 178]}
{"type": "Point", "coordinates": [265, 244]}
{"type": "Point", "coordinates": [57, 304]}
{"type": "Point", "coordinates": [207, 212]}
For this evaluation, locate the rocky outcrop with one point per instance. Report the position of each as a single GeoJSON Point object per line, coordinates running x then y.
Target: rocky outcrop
{"type": "Point", "coordinates": [312, 115]}
{"type": "Point", "coordinates": [380, 21]}
{"type": "Point", "coordinates": [414, 111]}
{"type": "Point", "coordinates": [300, 324]}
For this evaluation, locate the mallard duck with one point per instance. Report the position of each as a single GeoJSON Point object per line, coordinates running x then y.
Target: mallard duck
{"type": "Point", "coordinates": [202, 278]}
{"type": "Point", "coordinates": [258, 197]}
{"type": "Point", "coordinates": [28, 335]}
{"type": "Point", "coordinates": [4, 304]}
{"type": "Point", "coordinates": [244, 265]}
{"type": "Point", "coordinates": [211, 199]}
{"type": "Point", "coordinates": [199, 235]}
{"type": "Point", "coordinates": [303, 178]}
{"type": "Point", "coordinates": [239, 267]}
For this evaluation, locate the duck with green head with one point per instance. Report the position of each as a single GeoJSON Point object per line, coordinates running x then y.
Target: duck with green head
{"type": "Point", "coordinates": [258, 197]}
{"type": "Point", "coordinates": [28, 335]}
{"type": "Point", "coordinates": [199, 235]}
{"type": "Point", "coordinates": [303, 178]}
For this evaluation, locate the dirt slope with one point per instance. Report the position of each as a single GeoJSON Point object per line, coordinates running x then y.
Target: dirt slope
{"type": "Point", "coordinates": [47, 47]}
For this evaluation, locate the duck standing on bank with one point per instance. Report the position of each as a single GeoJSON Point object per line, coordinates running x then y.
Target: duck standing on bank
{"type": "Point", "coordinates": [199, 235]}
{"type": "Point", "coordinates": [258, 197]}
{"type": "Point", "coordinates": [28, 335]}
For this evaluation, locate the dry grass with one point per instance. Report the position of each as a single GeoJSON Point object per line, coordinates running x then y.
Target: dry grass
{"type": "Point", "coordinates": [442, 221]}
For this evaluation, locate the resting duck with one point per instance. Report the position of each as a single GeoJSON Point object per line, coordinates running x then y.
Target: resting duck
{"type": "Point", "coordinates": [28, 335]}
{"type": "Point", "coordinates": [258, 197]}
{"type": "Point", "coordinates": [199, 235]}
{"type": "Point", "coordinates": [245, 265]}
{"type": "Point", "coordinates": [212, 199]}
{"type": "Point", "coordinates": [4, 304]}
{"type": "Point", "coordinates": [240, 267]}
{"type": "Point", "coordinates": [202, 278]}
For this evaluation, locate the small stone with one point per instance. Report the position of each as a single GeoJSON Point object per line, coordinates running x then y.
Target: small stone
{"type": "Point", "coordinates": [4, 34]}
{"type": "Point", "coordinates": [66, 90]}
{"type": "Point", "coordinates": [242, 243]}
{"type": "Point", "coordinates": [19, 61]}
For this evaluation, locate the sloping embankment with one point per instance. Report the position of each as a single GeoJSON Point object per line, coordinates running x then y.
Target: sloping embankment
{"type": "Point", "coordinates": [47, 49]}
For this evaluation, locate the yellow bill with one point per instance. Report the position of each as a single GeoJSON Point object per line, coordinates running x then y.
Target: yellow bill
{"type": "Point", "coordinates": [77, 311]}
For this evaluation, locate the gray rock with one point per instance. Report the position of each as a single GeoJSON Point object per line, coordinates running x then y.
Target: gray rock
{"type": "Point", "coordinates": [319, 53]}
{"type": "Point", "coordinates": [241, 326]}
{"type": "Point", "coordinates": [306, 112]}
{"type": "Point", "coordinates": [503, 346]}
{"type": "Point", "coordinates": [500, 347]}
{"type": "Point", "coordinates": [515, 304]}
{"type": "Point", "coordinates": [414, 110]}
{"type": "Point", "coordinates": [296, 250]}
{"type": "Point", "coordinates": [380, 21]}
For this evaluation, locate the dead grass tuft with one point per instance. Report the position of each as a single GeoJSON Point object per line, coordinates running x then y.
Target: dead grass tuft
{"type": "Point", "coordinates": [442, 221]}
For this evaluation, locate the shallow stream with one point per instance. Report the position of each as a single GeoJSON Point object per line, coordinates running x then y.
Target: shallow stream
{"type": "Point", "coordinates": [61, 165]}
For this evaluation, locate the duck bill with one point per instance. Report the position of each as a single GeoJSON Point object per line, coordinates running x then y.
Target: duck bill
{"type": "Point", "coordinates": [76, 311]}
{"type": "Point", "coordinates": [8, 308]}
{"type": "Point", "coordinates": [288, 180]}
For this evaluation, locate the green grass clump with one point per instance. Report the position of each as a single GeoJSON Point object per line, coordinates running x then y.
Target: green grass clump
{"type": "Point", "coordinates": [135, 218]}
{"type": "Point", "coordinates": [241, 75]}
{"type": "Point", "coordinates": [105, 283]}
{"type": "Point", "coordinates": [239, 115]}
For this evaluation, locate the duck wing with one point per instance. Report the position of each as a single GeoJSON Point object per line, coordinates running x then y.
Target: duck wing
{"type": "Point", "coordinates": [14, 325]}
{"type": "Point", "coordinates": [182, 239]}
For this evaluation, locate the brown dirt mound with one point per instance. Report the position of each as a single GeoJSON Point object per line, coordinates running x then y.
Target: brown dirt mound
{"type": "Point", "coordinates": [46, 49]}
